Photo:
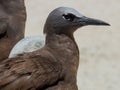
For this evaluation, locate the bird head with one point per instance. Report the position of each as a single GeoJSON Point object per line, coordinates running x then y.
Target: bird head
{"type": "Point", "coordinates": [65, 20]}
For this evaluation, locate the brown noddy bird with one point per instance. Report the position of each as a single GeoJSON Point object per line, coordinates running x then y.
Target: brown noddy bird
{"type": "Point", "coordinates": [12, 25]}
{"type": "Point", "coordinates": [53, 67]}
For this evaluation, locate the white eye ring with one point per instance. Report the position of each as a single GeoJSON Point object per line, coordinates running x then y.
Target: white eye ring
{"type": "Point", "coordinates": [69, 17]}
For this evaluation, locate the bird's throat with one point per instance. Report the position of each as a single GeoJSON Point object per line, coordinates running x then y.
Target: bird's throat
{"type": "Point", "coordinates": [64, 48]}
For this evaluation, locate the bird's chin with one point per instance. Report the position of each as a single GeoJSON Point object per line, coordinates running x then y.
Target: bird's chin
{"type": "Point", "coordinates": [78, 26]}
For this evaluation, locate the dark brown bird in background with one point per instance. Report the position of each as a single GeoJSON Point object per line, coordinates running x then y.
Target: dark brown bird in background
{"type": "Point", "coordinates": [54, 67]}
{"type": "Point", "coordinates": [12, 25]}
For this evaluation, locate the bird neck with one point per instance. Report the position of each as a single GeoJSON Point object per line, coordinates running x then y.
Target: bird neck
{"type": "Point", "coordinates": [65, 49]}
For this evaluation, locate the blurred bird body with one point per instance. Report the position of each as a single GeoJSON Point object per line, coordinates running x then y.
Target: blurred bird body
{"type": "Point", "coordinates": [12, 25]}
{"type": "Point", "coordinates": [53, 67]}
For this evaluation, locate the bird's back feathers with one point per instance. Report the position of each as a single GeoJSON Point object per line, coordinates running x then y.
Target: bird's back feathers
{"type": "Point", "coordinates": [33, 70]}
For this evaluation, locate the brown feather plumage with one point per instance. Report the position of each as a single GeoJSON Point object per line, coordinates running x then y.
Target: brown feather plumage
{"type": "Point", "coordinates": [50, 68]}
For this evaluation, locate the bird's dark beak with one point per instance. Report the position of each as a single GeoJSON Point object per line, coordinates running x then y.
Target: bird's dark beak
{"type": "Point", "coordinates": [90, 21]}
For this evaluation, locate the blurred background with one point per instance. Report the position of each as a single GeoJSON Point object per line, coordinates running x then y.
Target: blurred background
{"type": "Point", "coordinates": [99, 67]}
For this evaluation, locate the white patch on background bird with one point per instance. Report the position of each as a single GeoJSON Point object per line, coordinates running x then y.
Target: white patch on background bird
{"type": "Point", "coordinates": [28, 44]}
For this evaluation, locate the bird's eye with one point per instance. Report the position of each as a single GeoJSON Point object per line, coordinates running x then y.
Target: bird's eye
{"type": "Point", "coordinates": [69, 17]}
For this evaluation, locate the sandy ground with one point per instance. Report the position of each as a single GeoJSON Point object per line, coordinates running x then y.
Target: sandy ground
{"type": "Point", "coordinates": [99, 46]}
